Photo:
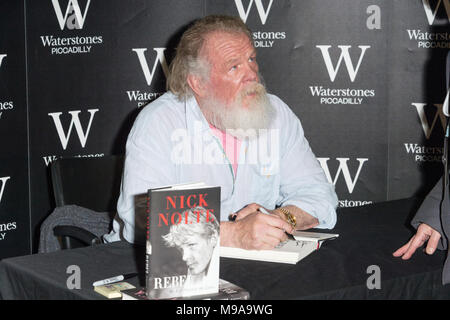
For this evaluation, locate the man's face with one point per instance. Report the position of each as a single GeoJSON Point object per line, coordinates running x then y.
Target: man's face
{"type": "Point", "coordinates": [234, 97]}
{"type": "Point", "coordinates": [197, 253]}
{"type": "Point", "coordinates": [232, 58]}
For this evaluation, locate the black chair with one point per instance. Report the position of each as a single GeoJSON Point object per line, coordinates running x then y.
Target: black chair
{"type": "Point", "coordinates": [92, 183]}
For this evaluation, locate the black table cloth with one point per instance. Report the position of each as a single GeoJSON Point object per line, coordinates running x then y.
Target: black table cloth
{"type": "Point", "coordinates": [339, 270]}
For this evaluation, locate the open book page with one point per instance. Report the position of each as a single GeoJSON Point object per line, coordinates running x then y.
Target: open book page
{"type": "Point", "coordinates": [314, 236]}
{"type": "Point", "coordinates": [289, 251]}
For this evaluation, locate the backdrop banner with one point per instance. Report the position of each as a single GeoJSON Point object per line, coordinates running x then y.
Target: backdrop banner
{"type": "Point", "coordinates": [14, 190]}
{"type": "Point", "coordinates": [366, 78]}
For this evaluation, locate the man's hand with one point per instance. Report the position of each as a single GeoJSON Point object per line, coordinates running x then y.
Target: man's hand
{"type": "Point", "coordinates": [424, 233]}
{"type": "Point", "coordinates": [248, 209]}
{"type": "Point", "coordinates": [255, 231]}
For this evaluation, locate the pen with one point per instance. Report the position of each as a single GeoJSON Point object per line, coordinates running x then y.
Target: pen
{"type": "Point", "coordinates": [114, 279]}
{"type": "Point", "coordinates": [262, 210]}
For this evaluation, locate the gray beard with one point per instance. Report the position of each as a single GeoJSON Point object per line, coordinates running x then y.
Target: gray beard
{"type": "Point", "coordinates": [238, 121]}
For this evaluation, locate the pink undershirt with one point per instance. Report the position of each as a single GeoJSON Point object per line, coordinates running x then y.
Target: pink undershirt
{"type": "Point", "coordinates": [230, 144]}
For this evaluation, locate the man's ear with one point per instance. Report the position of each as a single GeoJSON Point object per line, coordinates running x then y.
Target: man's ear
{"type": "Point", "coordinates": [197, 85]}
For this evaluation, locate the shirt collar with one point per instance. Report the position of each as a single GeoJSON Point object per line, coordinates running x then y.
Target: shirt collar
{"type": "Point", "coordinates": [195, 120]}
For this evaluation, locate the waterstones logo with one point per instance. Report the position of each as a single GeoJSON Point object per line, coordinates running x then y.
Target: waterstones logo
{"type": "Point", "coordinates": [5, 106]}
{"type": "Point", "coordinates": [72, 19]}
{"type": "Point", "coordinates": [431, 13]}
{"type": "Point", "coordinates": [349, 180]}
{"type": "Point", "coordinates": [344, 56]}
{"type": "Point", "coordinates": [437, 114]}
{"type": "Point", "coordinates": [261, 39]}
{"type": "Point", "coordinates": [263, 12]}
{"type": "Point", "coordinates": [142, 98]}
{"type": "Point", "coordinates": [4, 227]}
{"type": "Point", "coordinates": [433, 40]}
{"type": "Point", "coordinates": [427, 40]}
{"type": "Point", "coordinates": [2, 186]}
{"type": "Point", "coordinates": [2, 57]}
{"type": "Point", "coordinates": [343, 168]}
{"type": "Point", "coordinates": [423, 153]}
{"type": "Point", "coordinates": [75, 121]}
{"type": "Point", "coordinates": [64, 135]}
{"type": "Point", "coordinates": [341, 95]}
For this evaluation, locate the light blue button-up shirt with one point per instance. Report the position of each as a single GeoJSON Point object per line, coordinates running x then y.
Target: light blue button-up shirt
{"type": "Point", "coordinates": [171, 143]}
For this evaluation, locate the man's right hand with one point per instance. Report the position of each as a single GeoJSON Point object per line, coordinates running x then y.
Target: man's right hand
{"type": "Point", "coordinates": [255, 231]}
{"type": "Point", "coordinates": [424, 233]}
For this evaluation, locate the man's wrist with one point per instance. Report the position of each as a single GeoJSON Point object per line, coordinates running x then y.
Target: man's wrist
{"type": "Point", "coordinates": [287, 216]}
{"type": "Point", "coordinates": [227, 238]}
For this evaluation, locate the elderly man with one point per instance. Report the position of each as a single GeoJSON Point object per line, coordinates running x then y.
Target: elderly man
{"type": "Point", "coordinates": [216, 100]}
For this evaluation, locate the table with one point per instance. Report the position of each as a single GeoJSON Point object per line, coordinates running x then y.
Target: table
{"type": "Point", "coordinates": [339, 270]}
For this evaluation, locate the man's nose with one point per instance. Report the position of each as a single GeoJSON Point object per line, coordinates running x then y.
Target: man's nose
{"type": "Point", "coordinates": [251, 72]}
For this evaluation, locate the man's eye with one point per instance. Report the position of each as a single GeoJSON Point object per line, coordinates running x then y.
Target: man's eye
{"type": "Point", "coordinates": [252, 59]}
{"type": "Point", "coordinates": [233, 68]}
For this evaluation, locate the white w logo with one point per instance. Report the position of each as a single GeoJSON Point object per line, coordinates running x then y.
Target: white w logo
{"type": "Point", "coordinates": [63, 137]}
{"type": "Point", "coordinates": [263, 13]}
{"type": "Point", "coordinates": [343, 167]}
{"type": "Point", "coordinates": [431, 15]}
{"type": "Point", "coordinates": [73, 17]}
{"type": "Point", "coordinates": [2, 56]}
{"type": "Point", "coordinates": [345, 55]}
{"type": "Point", "coordinates": [159, 58]}
{"type": "Point", "coordinates": [427, 129]}
{"type": "Point", "coordinates": [3, 180]}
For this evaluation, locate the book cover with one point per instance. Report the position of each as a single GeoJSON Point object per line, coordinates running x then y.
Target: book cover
{"type": "Point", "coordinates": [183, 241]}
{"type": "Point", "coordinates": [289, 251]}
{"type": "Point", "coordinates": [227, 291]}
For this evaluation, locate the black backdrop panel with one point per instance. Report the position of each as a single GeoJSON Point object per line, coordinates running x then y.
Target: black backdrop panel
{"type": "Point", "coordinates": [86, 75]}
{"type": "Point", "coordinates": [14, 193]}
{"type": "Point", "coordinates": [342, 105]}
{"type": "Point", "coordinates": [365, 77]}
{"type": "Point", "coordinates": [418, 46]}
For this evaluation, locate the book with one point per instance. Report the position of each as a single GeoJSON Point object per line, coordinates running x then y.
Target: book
{"type": "Point", "coordinates": [227, 291]}
{"type": "Point", "coordinates": [183, 240]}
{"type": "Point", "coordinates": [290, 251]}
{"type": "Point", "coordinates": [113, 290]}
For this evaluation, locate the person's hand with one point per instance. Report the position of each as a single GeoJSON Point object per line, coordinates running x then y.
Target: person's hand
{"type": "Point", "coordinates": [258, 231]}
{"type": "Point", "coordinates": [248, 209]}
{"type": "Point", "coordinates": [424, 233]}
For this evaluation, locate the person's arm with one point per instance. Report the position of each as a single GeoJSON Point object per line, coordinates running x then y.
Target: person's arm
{"type": "Point", "coordinates": [304, 188]}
